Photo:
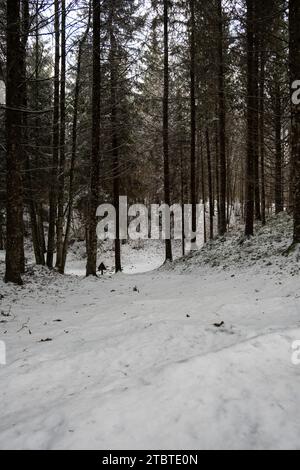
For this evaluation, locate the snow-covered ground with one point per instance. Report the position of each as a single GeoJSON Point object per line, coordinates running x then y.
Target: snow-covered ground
{"type": "Point", "coordinates": [134, 361]}
{"type": "Point", "coordinates": [137, 257]}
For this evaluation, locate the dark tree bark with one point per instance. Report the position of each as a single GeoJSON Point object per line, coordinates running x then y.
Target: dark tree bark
{"type": "Point", "coordinates": [114, 138]}
{"type": "Point", "coordinates": [222, 125]}
{"type": "Point", "coordinates": [193, 116]}
{"type": "Point", "coordinates": [210, 187]}
{"type": "Point", "coordinates": [91, 269]}
{"type": "Point", "coordinates": [62, 146]}
{"type": "Point", "coordinates": [168, 243]}
{"type": "Point", "coordinates": [256, 115]}
{"type": "Point", "coordinates": [203, 193]}
{"type": "Point", "coordinates": [217, 172]}
{"type": "Point", "coordinates": [14, 101]}
{"type": "Point", "coordinates": [249, 203]}
{"type": "Point", "coordinates": [278, 145]}
{"type": "Point", "coordinates": [182, 192]}
{"type": "Point", "coordinates": [39, 204]}
{"type": "Point", "coordinates": [294, 22]}
{"type": "Point", "coordinates": [55, 146]}
{"type": "Point", "coordinates": [278, 116]}
{"type": "Point", "coordinates": [74, 142]}
{"type": "Point", "coordinates": [262, 131]}
{"type": "Point", "coordinates": [29, 194]}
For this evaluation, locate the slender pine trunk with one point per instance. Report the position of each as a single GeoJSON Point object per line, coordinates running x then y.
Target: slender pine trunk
{"type": "Point", "coordinates": [294, 21]}
{"type": "Point", "coordinates": [193, 116]}
{"type": "Point", "coordinates": [91, 268]}
{"type": "Point", "coordinates": [114, 139]}
{"type": "Point", "coordinates": [55, 145]}
{"type": "Point", "coordinates": [74, 143]}
{"type": "Point", "coordinates": [278, 145]}
{"type": "Point", "coordinates": [249, 203]}
{"type": "Point", "coordinates": [210, 187]}
{"type": "Point", "coordinates": [168, 244]}
{"type": "Point", "coordinates": [62, 147]}
{"type": "Point", "coordinates": [256, 116]}
{"type": "Point", "coordinates": [222, 125]}
{"type": "Point", "coordinates": [38, 174]}
{"type": "Point", "coordinates": [14, 188]}
{"type": "Point", "coordinates": [262, 132]}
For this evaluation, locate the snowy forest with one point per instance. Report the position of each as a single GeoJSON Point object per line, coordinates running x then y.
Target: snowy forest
{"type": "Point", "coordinates": [149, 224]}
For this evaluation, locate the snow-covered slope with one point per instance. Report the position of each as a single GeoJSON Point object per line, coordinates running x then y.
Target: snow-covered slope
{"type": "Point", "coordinates": [136, 361]}
{"type": "Point", "coordinates": [233, 251]}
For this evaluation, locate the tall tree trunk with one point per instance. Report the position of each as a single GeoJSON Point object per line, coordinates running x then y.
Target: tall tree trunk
{"type": "Point", "coordinates": [294, 20]}
{"type": "Point", "coordinates": [166, 121]}
{"type": "Point", "coordinates": [39, 205]}
{"type": "Point", "coordinates": [30, 196]}
{"type": "Point", "coordinates": [217, 172]}
{"type": "Point", "coordinates": [278, 145]}
{"type": "Point", "coordinates": [62, 146]}
{"type": "Point", "coordinates": [222, 125]}
{"type": "Point", "coordinates": [74, 143]}
{"type": "Point", "coordinates": [249, 203]}
{"type": "Point", "coordinates": [114, 138]}
{"type": "Point", "coordinates": [256, 115]}
{"type": "Point", "coordinates": [14, 190]}
{"type": "Point", "coordinates": [91, 268]}
{"type": "Point", "coordinates": [182, 181]}
{"type": "Point", "coordinates": [55, 145]}
{"type": "Point", "coordinates": [210, 187]}
{"type": "Point", "coordinates": [262, 131]}
{"type": "Point", "coordinates": [203, 193]}
{"type": "Point", "coordinates": [193, 116]}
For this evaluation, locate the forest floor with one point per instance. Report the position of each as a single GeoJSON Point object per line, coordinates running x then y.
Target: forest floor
{"type": "Point", "coordinates": [143, 360]}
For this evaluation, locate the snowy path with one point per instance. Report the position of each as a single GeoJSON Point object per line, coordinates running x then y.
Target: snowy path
{"type": "Point", "coordinates": [147, 368]}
